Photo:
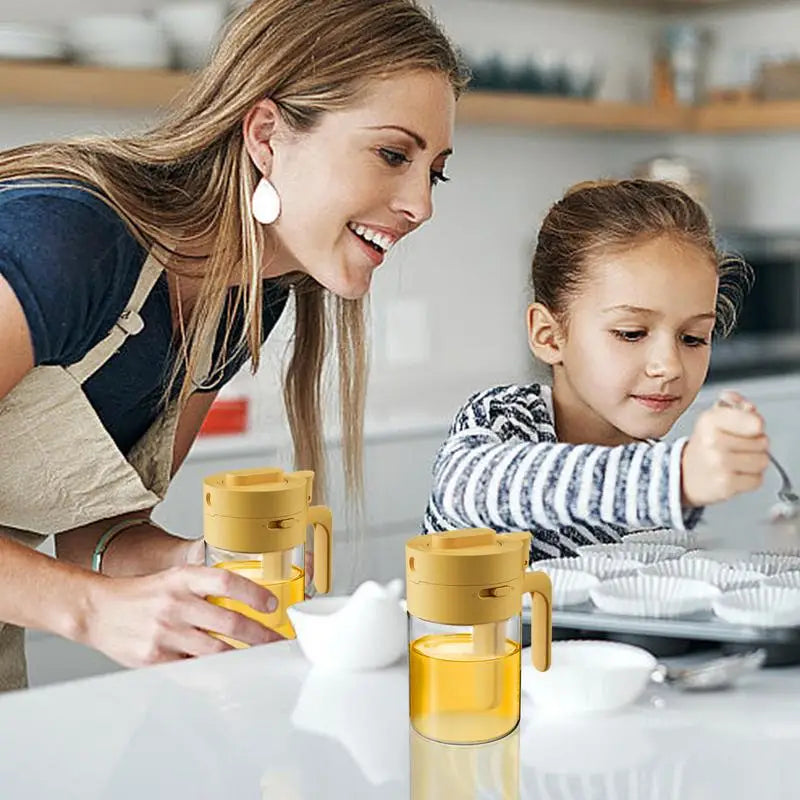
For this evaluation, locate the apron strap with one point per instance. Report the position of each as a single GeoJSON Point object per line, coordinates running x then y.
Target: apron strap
{"type": "Point", "coordinates": [129, 324]}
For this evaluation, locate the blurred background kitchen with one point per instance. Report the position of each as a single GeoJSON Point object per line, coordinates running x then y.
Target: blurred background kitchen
{"type": "Point", "coordinates": [703, 92]}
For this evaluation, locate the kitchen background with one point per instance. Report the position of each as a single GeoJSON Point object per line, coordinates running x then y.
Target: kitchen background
{"type": "Point", "coordinates": [448, 307]}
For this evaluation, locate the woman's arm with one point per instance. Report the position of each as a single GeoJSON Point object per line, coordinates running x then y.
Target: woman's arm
{"type": "Point", "coordinates": [142, 549]}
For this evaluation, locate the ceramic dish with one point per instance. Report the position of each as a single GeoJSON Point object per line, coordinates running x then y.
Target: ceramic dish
{"type": "Point", "coordinates": [588, 676]}
{"type": "Point", "coordinates": [646, 552]}
{"type": "Point", "coordinates": [654, 596]}
{"type": "Point", "coordinates": [365, 631]}
{"type": "Point", "coordinates": [760, 606]}
{"type": "Point", "coordinates": [570, 586]}
{"type": "Point", "coordinates": [600, 565]}
{"type": "Point", "coordinates": [723, 576]}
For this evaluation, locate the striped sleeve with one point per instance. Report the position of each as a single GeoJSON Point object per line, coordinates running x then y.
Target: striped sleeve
{"type": "Point", "coordinates": [502, 469]}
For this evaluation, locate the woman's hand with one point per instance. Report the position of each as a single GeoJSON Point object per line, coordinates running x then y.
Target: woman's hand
{"type": "Point", "coordinates": [726, 454]}
{"type": "Point", "coordinates": [166, 616]}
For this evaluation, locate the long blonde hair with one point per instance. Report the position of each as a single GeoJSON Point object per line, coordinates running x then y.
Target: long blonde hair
{"type": "Point", "coordinates": [190, 178]}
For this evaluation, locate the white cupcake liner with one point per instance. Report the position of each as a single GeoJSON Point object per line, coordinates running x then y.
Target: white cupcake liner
{"type": "Point", "coordinates": [646, 552]}
{"type": "Point", "coordinates": [686, 539]}
{"type": "Point", "coordinates": [760, 606]}
{"type": "Point", "coordinates": [789, 580]}
{"type": "Point", "coordinates": [654, 596]}
{"type": "Point", "coordinates": [723, 576]}
{"type": "Point", "coordinates": [765, 563]}
{"type": "Point", "coordinates": [570, 586]}
{"type": "Point", "coordinates": [601, 566]}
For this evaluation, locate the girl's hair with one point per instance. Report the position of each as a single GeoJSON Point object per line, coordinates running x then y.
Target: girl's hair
{"type": "Point", "coordinates": [190, 179]}
{"type": "Point", "coordinates": [600, 217]}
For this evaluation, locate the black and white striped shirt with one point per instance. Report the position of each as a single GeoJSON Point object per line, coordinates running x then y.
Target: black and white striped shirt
{"type": "Point", "coordinates": [502, 467]}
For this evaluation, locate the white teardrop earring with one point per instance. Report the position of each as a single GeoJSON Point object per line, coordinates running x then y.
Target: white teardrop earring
{"type": "Point", "coordinates": [266, 202]}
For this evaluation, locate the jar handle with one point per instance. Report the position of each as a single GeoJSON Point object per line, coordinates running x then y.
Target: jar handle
{"type": "Point", "coordinates": [538, 585]}
{"type": "Point", "coordinates": [322, 520]}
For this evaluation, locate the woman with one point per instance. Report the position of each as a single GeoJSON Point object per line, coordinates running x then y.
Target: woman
{"type": "Point", "coordinates": [138, 274]}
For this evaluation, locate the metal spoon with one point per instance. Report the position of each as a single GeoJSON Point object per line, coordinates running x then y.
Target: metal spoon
{"type": "Point", "coordinates": [719, 673]}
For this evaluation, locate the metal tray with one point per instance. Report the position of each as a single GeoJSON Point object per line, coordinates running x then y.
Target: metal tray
{"type": "Point", "coordinates": [704, 626]}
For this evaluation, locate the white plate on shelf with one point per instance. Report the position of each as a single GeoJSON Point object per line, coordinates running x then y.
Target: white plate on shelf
{"type": "Point", "coordinates": [654, 596]}
{"type": "Point", "coordinates": [31, 43]}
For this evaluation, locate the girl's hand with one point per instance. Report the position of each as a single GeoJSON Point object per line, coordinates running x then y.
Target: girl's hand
{"type": "Point", "coordinates": [166, 616]}
{"type": "Point", "coordinates": [726, 454]}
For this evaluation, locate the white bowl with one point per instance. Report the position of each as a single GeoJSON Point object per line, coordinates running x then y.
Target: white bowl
{"type": "Point", "coordinates": [646, 552]}
{"type": "Point", "coordinates": [119, 40]}
{"type": "Point", "coordinates": [31, 42]}
{"type": "Point", "coordinates": [654, 596]}
{"type": "Point", "coordinates": [364, 631]}
{"type": "Point", "coordinates": [193, 28]}
{"type": "Point", "coordinates": [588, 676]}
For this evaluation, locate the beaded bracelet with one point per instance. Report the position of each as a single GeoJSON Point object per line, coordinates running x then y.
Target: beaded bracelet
{"type": "Point", "coordinates": [104, 541]}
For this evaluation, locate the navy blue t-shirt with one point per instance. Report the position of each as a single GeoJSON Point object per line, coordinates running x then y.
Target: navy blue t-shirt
{"type": "Point", "coordinates": [73, 264]}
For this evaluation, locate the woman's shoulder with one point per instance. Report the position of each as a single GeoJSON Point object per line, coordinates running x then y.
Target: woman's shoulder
{"type": "Point", "coordinates": [513, 407]}
{"type": "Point", "coordinates": [71, 261]}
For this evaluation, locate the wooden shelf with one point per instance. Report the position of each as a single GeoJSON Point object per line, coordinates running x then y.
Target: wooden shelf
{"type": "Point", "coordinates": [532, 111]}
{"type": "Point", "coordinates": [54, 84]}
{"type": "Point", "coordinates": [67, 85]}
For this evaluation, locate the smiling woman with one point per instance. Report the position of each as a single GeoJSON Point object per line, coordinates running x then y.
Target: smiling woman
{"type": "Point", "coordinates": [139, 274]}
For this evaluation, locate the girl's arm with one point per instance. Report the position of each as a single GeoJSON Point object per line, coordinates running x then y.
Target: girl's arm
{"type": "Point", "coordinates": [479, 480]}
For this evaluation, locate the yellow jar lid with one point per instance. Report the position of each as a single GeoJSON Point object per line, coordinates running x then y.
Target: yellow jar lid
{"type": "Point", "coordinates": [470, 557]}
{"type": "Point", "coordinates": [260, 493]}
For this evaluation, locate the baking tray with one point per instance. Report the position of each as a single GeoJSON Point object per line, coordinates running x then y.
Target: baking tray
{"type": "Point", "coordinates": [703, 626]}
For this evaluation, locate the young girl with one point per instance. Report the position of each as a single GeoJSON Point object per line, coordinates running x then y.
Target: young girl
{"type": "Point", "coordinates": [628, 288]}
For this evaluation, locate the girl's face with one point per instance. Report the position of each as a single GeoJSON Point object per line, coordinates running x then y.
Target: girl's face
{"type": "Point", "coordinates": [637, 345]}
{"type": "Point", "coordinates": [361, 180]}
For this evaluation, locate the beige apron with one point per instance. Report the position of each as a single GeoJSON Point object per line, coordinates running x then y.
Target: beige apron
{"type": "Point", "coordinates": [60, 468]}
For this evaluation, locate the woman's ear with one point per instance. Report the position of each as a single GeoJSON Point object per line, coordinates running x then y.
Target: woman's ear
{"type": "Point", "coordinates": [259, 128]}
{"type": "Point", "coordinates": [544, 334]}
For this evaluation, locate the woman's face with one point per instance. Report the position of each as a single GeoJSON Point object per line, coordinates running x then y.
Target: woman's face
{"type": "Point", "coordinates": [360, 180]}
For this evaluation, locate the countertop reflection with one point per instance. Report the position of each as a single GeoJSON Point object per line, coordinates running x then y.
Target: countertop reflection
{"type": "Point", "coordinates": [261, 723]}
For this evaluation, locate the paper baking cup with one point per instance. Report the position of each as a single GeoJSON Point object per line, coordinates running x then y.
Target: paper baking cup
{"type": "Point", "coordinates": [760, 606]}
{"type": "Point", "coordinates": [570, 586]}
{"type": "Point", "coordinates": [686, 539]}
{"type": "Point", "coordinates": [765, 563]}
{"type": "Point", "coordinates": [654, 596]}
{"type": "Point", "coordinates": [723, 576]}
{"type": "Point", "coordinates": [789, 580]}
{"type": "Point", "coordinates": [601, 566]}
{"type": "Point", "coordinates": [646, 552]}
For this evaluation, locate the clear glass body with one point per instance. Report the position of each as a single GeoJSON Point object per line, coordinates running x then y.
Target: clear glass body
{"type": "Point", "coordinates": [464, 681]}
{"type": "Point", "coordinates": [282, 572]}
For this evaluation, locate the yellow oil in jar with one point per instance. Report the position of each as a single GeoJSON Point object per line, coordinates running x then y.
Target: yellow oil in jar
{"type": "Point", "coordinates": [458, 696]}
{"type": "Point", "coordinates": [288, 592]}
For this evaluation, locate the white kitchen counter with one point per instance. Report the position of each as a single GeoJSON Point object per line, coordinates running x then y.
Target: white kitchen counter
{"type": "Point", "coordinates": [260, 723]}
